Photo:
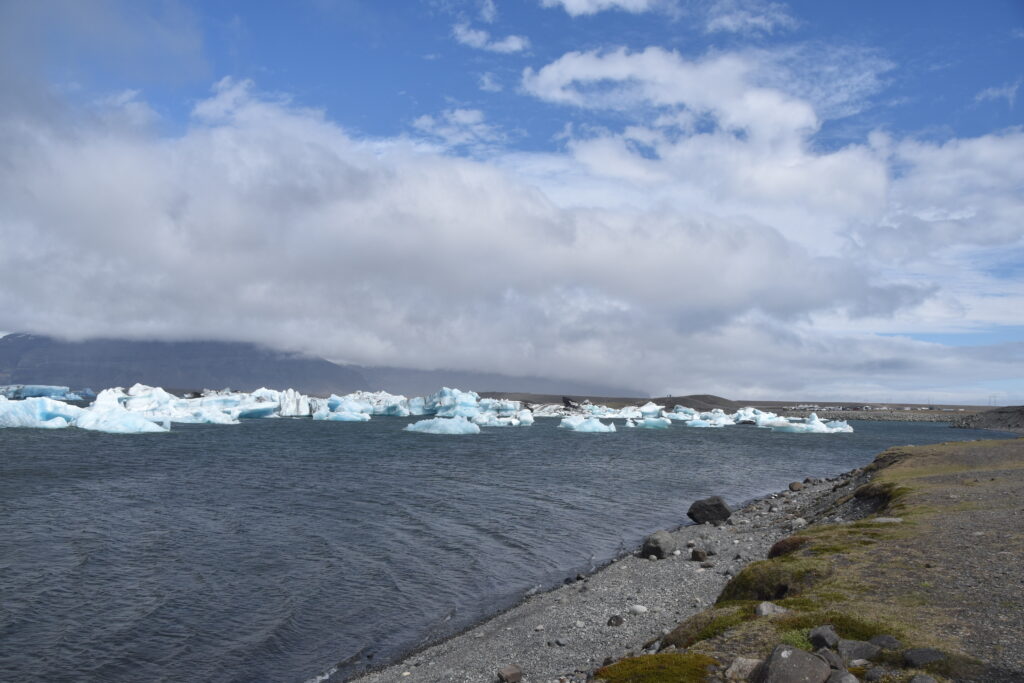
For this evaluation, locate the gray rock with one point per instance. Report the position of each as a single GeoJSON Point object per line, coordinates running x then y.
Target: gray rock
{"type": "Point", "coordinates": [698, 555]}
{"type": "Point", "coordinates": [798, 523]}
{"type": "Point", "coordinates": [713, 509]}
{"type": "Point", "coordinates": [850, 650]}
{"type": "Point", "coordinates": [615, 620]}
{"type": "Point", "coordinates": [788, 664]}
{"type": "Point", "coordinates": [824, 636]}
{"type": "Point", "coordinates": [510, 674]}
{"type": "Point", "coordinates": [841, 677]}
{"type": "Point", "coordinates": [561, 642]}
{"type": "Point", "coordinates": [741, 668]}
{"type": "Point", "coordinates": [831, 658]}
{"type": "Point", "coordinates": [886, 642]}
{"type": "Point", "coordinates": [796, 486]}
{"type": "Point", "coordinates": [917, 657]}
{"type": "Point", "coordinates": [766, 609]}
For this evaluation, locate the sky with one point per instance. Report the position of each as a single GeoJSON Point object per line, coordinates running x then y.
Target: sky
{"type": "Point", "coordinates": [756, 199]}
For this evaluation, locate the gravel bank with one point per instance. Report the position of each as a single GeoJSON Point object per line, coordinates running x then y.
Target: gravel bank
{"type": "Point", "coordinates": [564, 634]}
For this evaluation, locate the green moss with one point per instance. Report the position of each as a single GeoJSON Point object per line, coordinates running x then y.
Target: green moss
{"type": "Point", "coordinates": [775, 579]}
{"type": "Point", "coordinates": [662, 668]}
{"type": "Point", "coordinates": [709, 624]}
{"type": "Point", "coordinates": [797, 637]}
{"type": "Point", "coordinates": [846, 625]}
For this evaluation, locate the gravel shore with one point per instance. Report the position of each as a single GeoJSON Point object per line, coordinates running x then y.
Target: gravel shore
{"type": "Point", "coordinates": [564, 634]}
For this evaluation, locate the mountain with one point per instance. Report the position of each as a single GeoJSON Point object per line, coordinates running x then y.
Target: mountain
{"type": "Point", "coordinates": [176, 366]}
{"type": "Point", "coordinates": [186, 366]}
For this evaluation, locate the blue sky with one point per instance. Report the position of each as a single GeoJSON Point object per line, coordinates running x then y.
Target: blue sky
{"type": "Point", "coordinates": [804, 199]}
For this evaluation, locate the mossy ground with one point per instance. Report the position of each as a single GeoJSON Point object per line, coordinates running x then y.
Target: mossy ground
{"type": "Point", "coordinates": [864, 578]}
{"type": "Point", "coordinates": [660, 668]}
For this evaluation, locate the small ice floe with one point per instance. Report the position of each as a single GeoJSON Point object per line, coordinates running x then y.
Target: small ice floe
{"type": "Point", "coordinates": [578, 423]}
{"type": "Point", "coordinates": [444, 425]}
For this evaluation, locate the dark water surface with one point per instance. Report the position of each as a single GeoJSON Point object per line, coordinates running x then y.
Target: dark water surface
{"type": "Point", "coordinates": [275, 549]}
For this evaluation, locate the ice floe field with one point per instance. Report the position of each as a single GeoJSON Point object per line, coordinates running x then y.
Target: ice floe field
{"type": "Point", "coordinates": [143, 409]}
{"type": "Point", "coordinates": [271, 536]}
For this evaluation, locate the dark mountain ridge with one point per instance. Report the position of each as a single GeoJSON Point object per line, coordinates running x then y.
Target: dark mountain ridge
{"type": "Point", "coordinates": [180, 366]}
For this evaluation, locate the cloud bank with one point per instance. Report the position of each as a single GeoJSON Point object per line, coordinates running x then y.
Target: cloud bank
{"type": "Point", "coordinates": [699, 239]}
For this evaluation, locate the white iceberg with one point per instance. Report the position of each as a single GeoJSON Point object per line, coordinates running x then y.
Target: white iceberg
{"type": "Point", "coordinates": [37, 413]}
{"type": "Point", "coordinates": [653, 423]}
{"type": "Point", "coordinates": [578, 423]}
{"type": "Point", "coordinates": [324, 413]}
{"type": "Point", "coordinates": [106, 414]}
{"type": "Point", "coordinates": [23, 391]}
{"type": "Point", "coordinates": [813, 425]}
{"type": "Point", "coordinates": [444, 425]}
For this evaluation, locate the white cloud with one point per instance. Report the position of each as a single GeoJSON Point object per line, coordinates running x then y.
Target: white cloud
{"type": "Point", "coordinates": [481, 40]}
{"type": "Point", "coordinates": [584, 7]}
{"type": "Point", "coordinates": [488, 11]}
{"type": "Point", "coordinates": [748, 16]}
{"type": "Point", "coordinates": [459, 128]}
{"type": "Point", "coordinates": [1006, 92]}
{"type": "Point", "coordinates": [489, 83]}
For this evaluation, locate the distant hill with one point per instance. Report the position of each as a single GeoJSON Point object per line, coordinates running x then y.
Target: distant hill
{"type": "Point", "coordinates": [701, 402]}
{"type": "Point", "coordinates": [176, 366]}
{"type": "Point", "coordinates": [187, 366]}
{"type": "Point", "coordinates": [1008, 418]}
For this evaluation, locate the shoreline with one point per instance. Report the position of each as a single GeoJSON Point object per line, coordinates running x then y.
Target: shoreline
{"type": "Point", "coordinates": [564, 633]}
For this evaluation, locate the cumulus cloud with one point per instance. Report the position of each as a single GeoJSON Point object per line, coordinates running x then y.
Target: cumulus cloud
{"type": "Point", "coordinates": [749, 16]}
{"type": "Point", "coordinates": [1006, 92]}
{"type": "Point", "coordinates": [481, 40]}
{"type": "Point", "coordinates": [264, 221]}
{"type": "Point", "coordinates": [489, 82]}
{"type": "Point", "coordinates": [459, 127]}
{"type": "Point", "coordinates": [584, 7]}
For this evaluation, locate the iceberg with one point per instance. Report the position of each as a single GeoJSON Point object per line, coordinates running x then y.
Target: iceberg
{"type": "Point", "coordinates": [106, 414]}
{"type": "Point", "coordinates": [37, 413]}
{"type": "Point", "coordinates": [23, 391]}
{"type": "Point", "coordinates": [812, 425]}
{"type": "Point", "coordinates": [453, 403]}
{"type": "Point", "coordinates": [525, 417]}
{"type": "Point", "coordinates": [651, 409]}
{"type": "Point", "coordinates": [324, 413]}
{"type": "Point", "coordinates": [444, 425]}
{"type": "Point", "coordinates": [653, 423]}
{"type": "Point", "coordinates": [578, 423]}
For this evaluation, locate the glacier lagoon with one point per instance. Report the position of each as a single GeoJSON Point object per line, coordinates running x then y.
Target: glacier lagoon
{"type": "Point", "coordinates": [273, 550]}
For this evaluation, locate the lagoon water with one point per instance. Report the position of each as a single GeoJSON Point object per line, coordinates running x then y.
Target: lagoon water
{"type": "Point", "coordinates": [281, 550]}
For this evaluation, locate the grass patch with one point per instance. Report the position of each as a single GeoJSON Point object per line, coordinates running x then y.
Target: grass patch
{"type": "Point", "coordinates": [846, 625]}
{"type": "Point", "coordinates": [708, 624]}
{"type": "Point", "coordinates": [787, 546]}
{"type": "Point", "coordinates": [662, 668]}
{"type": "Point", "coordinates": [775, 579]}
{"type": "Point", "coordinates": [797, 637]}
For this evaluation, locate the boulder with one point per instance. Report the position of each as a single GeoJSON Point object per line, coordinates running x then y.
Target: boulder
{"type": "Point", "coordinates": [917, 657]}
{"type": "Point", "coordinates": [831, 658]}
{"type": "Point", "coordinates": [698, 555]}
{"type": "Point", "coordinates": [824, 636]}
{"type": "Point", "coordinates": [615, 620]}
{"type": "Point", "coordinates": [788, 664]}
{"type": "Point", "coordinates": [796, 486]}
{"type": "Point", "coordinates": [886, 642]}
{"type": "Point", "coordinates": [660, 544]}
{"type": "Point", "coordinates": [841, 676]}
{"type": "Point", "coordinates": [741, 668]}
{"type": "Point", "coordinates": [766, 609]}
{"type": "Point", "coordinates": [510, 674]}
{"type": "Point", "coordinates": [713, 509]}
{"type": "Point", "coordinates": [850, 650]}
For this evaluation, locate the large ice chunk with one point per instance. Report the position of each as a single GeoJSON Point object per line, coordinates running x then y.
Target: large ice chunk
{"type": "Point", "coordinates": [453, 403]}
{"type": "Point", "coordinates": [37, 412]}
{"type": "Point", "coordinates": [578, 423]}
{"type": "Point", "coordinates": [106, 414]}
{"type": "Point", "coordinates": [653, 422]}
{"type": "Point", "coordinates": [324, 413]}
{"type": "Point", "coordinates": [23, 391]}
{"type": "Point", "coordinates": [813, 425]}
{"type": "Point", "coordinates": [444, 425]}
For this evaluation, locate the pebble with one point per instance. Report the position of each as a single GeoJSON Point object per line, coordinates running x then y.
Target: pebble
{"type": "Point", "coordinates": [580, 624]}
{"type": "Point", "coordinates": [538, 627]}
{"type": "Point", "coordinates": [637, 609]}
